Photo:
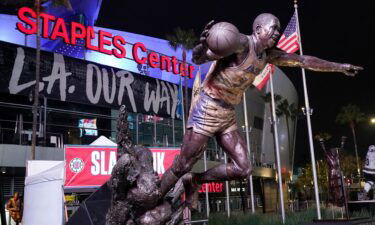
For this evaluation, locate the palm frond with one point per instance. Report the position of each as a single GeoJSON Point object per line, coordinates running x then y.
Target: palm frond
{"type": "Point", "coordinates": [180, 38]}
{"type": "Point", "coordinates": [350, 114]}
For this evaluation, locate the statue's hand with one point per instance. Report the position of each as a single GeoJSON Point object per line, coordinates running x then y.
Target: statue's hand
{"type": "Point", "coordinates": [350, 70]}
{"type": "Point", "coordinates": [205, 33]}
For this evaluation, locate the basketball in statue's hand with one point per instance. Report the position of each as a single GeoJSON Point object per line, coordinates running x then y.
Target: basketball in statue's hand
{"type": "Point", "coordinates": [223, 39]}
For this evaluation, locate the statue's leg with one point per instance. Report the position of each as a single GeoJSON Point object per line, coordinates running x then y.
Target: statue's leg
{"type": "Point", "coordinates": [191, 150]}
{"type": "Point", "coordinates": [238, 168]}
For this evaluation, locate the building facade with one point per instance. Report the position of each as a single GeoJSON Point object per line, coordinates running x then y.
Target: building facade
{"type": "Point", "coordinates": [65, 117]}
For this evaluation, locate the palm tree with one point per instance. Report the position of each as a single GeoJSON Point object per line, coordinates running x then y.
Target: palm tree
{"type": "Point", "coordinates": [37, 78]}
{"type": "Point", "coordinates": [295, 115]}
{"type": "Point", "coordinates": [283, 110]}
{"type": "Point", "coordinates": [351, 115]}
{"type": "Point", "coordinates": [267, 98]}
{"type": "Point", "coordinates": [289, 111]}
{"type": "Point", "coordinates": [186, 40]}
{"type": "Point", "coordinates": [37, 6]}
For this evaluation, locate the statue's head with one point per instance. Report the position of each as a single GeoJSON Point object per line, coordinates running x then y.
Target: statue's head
{"type": "Point", "coordinates": [371, 148]}
{"type": "Point", "coordinates": [266, 28]}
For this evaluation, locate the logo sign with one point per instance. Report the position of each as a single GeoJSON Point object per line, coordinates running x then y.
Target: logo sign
{"type": "Point", "coordinates": [76, 165]}
{"type": "Point", "coordinates": [91, 166]}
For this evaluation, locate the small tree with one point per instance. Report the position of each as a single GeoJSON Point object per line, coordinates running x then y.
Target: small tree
{"type": "Point", "coordinates": [304, 181]}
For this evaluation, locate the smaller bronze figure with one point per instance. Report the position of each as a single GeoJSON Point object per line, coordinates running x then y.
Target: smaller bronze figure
{"type": "Point", "coordinates": [135, 186]}
{"type": "Point", "coordinates": [334, 177]}
{"type": "Point", "coordinates": [336, 189]}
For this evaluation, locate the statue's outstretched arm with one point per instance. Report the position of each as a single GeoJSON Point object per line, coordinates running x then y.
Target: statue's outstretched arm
{"type": "Point", "coordinates": [280, 58]}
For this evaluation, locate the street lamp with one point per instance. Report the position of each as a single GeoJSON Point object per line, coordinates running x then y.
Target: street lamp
{"type": "Point", "coordinates": [304, 111]}
{"type": "Point", "coordinates": [372, 120]}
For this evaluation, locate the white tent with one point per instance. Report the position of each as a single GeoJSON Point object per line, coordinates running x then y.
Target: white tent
{"type": "Point", "coordinates": [44, 194]}
{"type": "Point", "coordinates": [103, 141]}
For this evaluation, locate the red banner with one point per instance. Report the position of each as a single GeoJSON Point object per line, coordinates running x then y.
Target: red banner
{"type": "Point", "coordinates": [163, 158]}
{"type": "Point", "coordinates": [91, 166]}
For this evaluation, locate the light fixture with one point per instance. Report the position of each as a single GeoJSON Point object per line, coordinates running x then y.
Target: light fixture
{"type": "Point", "coordinates": [3, 170]}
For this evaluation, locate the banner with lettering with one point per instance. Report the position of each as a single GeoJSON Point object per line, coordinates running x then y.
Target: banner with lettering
{"type": "Point", "coordinates": [91, 166]}
{"type": "Point", "coordinates": [88, 166]}
{"type": "Point", "coordinates": [74, 80]}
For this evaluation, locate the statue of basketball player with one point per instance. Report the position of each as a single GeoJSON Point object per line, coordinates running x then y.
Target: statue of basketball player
{"type": "Point", "coordinates": [214, 115]}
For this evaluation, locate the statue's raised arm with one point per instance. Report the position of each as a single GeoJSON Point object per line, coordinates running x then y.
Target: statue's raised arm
{"type": "Point", "coordinates": [235, 43]}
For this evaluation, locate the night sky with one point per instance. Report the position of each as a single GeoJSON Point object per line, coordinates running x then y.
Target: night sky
{"type": "Point", "coordinates": [340, 31]}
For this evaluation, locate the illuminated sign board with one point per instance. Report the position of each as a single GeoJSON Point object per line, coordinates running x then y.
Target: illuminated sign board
{"type": "Point", "coordinates": [91, 166]}
{"type": "Point", "coordinates": [107, 43]}
{"type": "Point", "coordinates": [212, 187]}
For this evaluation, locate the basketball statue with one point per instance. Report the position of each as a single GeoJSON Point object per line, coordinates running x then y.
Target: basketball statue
{"type": "Point", "coordinates": [236, 60]}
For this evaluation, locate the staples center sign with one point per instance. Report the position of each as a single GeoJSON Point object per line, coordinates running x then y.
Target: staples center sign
{"type": "Point", "coordinates": [91, 166]}
{"type": "Point", "coordinates": [107, 43]}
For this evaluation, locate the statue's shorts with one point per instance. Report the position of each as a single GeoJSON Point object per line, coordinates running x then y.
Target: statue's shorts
{"type": "Point", "coordinates": [211, 116]}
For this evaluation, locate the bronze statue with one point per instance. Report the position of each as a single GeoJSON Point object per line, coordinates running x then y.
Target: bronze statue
{"type": "Point", "coordinates": [213, 114]}
{"type": "Point", "coordinates": [134, 185]}
{"type": "Point", "coordinates": [336, 196]}
{"type": "Point", "coordinates": [336, 186]}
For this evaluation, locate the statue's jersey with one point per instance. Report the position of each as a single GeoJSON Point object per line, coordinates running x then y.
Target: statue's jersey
{"type": "Point", "coordinates": [370, 163]}
{"type": "Point", "coordinates": [228, 83]}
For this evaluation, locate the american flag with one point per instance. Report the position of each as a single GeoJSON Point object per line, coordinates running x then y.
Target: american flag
{"type": "Point", "coordinates": [289, 43]}
{"type": "Point", "coordinates": [289, 40]}
{"type": "Point", "coordinates": [262, 78]}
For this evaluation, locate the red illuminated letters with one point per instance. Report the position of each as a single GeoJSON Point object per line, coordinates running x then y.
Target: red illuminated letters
{"type": "Point", "coordinates": [77, 31]}
{"type": "Point", "coordinates": [135, 52]}
{"type": "Point", "coordinates": [107, 43]}
{"type": "Point", "coordinates": [22, 16]}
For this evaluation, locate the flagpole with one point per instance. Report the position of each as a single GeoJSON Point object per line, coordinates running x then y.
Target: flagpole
{"type": "Point", "coordinates": [248, 149]}
{"type": "Point", "coordinates": [186, 212]}
{"type": "Point", "coordinates": [308, 113]}
{"type": "Point", "coordinates": [280, 180]}
{"type": "Point", "coordinates": [183, 107]}
{"type": "Point", "coordinates": [206, 192]}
